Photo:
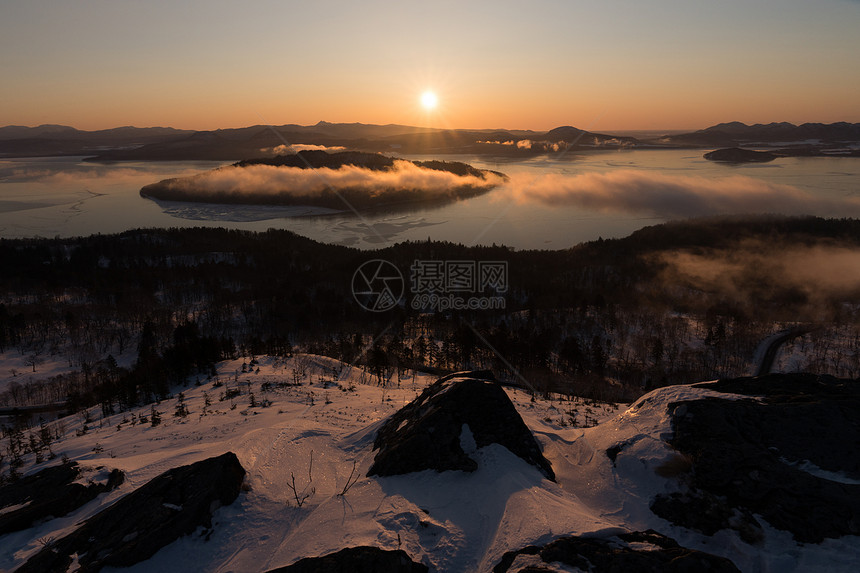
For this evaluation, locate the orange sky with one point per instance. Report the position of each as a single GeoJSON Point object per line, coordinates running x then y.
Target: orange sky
{"type": "Point", "coordinates": [609, 66]}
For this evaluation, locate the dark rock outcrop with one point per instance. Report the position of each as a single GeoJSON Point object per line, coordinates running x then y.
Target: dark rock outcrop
{"type": "Point", "coordinates": [616, 555]}
{"type": "Point", "coordinates": [50, 492]}
{"type": "Point", "coordinates": [739, 155]}
{"type": "Point", "coordinates": [425, 434]}
{"type": "Point", "coordinates": [747, 457]}
{"type": "Point", "coordinates": [131, 530]}
{"type": "Point", "coordinates": [707, 513]}
{"type": "Point", "coordinates": [356, 560]}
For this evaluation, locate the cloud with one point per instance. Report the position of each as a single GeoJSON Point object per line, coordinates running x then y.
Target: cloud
{"type": "Point", "coordinates": [53, 176]}
{"type": "Point", "coordinates": [296, 147]}
{"type": "Point", "coordinates": [542, 146]}
{"type": "Point", "coordinates": [611, 142]}
{"type": "Point", "coordinates": [671, 196]}
{"type": "Point", "coordinates": [86, 177]}
{"type": "Point", "coordinates": [755, 271]}
{"type": "Point", "coordinates": [269, 180]}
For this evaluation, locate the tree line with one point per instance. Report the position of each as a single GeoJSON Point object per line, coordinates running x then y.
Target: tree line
{"type": "Point", "coordinates": [600, 319]}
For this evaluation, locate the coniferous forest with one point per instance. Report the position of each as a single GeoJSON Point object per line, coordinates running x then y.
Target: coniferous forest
{"type": "Point", "coordinates": [679, 302]}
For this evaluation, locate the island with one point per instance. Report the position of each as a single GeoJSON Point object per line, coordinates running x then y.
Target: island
{"type": "Point", "coordinates": [739, 155]}
{"type": "Point", "coordinates": [344, 180]}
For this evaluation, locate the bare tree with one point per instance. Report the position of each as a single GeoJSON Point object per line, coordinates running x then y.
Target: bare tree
{"type": "Point", "coordinates": [302, 495]}
{"type": "Point", "coordinates": [34, 360]}
{"type": "Point", "coordinates": [350, 481]}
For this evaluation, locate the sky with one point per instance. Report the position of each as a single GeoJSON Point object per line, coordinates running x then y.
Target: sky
{"type": "Point", "coordinates": [602, 66]}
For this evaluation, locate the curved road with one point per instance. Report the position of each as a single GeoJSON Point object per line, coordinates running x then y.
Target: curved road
{"type": "Point", "coordinates": [772, 348]}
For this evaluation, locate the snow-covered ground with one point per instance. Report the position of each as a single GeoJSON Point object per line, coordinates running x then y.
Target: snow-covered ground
{"type": "Point", "coordinates": [17, 368]}
{"type": "Point", "coordinates": [451, 521]}
{"type": "Point", "coordinates": [833, 350]}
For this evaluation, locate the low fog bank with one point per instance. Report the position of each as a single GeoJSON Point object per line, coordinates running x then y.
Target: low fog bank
{"type": "Point", "coordinates": [361, 186]}
{"type": "Point", "coordinates": [815, 278]}
{"type": "Point", "coordinates": [297, 147]}
{"type": "Point", "coordinates": [671, 196]}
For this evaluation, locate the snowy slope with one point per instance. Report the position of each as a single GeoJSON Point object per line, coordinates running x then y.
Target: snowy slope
{"type": "Point", "coordinates": [451, 521]}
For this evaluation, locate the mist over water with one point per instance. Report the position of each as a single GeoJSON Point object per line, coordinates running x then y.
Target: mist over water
{"type": "Point", "coordinates": [551, 201]}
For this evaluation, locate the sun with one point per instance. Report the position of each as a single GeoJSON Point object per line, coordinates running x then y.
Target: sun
{"type": "Point", "coordinates": [429, 100]}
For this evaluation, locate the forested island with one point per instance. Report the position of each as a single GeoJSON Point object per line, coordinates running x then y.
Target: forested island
{"type": "Point", "coordinates": [330, 180]}
{"type": "Point", "coordinates": [739, 155]}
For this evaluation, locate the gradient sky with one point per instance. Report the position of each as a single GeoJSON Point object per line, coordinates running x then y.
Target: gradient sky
{"type": "Point", "coordinates": [612, 65]}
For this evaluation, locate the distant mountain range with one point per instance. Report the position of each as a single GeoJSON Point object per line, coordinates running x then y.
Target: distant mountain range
{"type": "Point", "coordinates": [18, 141]}
{"type": "Point", "coordinates": [774, 134]}
{"type": "Point", "coordinates": [166, 143]}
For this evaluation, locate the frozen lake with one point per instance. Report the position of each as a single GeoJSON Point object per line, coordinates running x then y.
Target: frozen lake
{"type": "Point", "coordinates": [552, 202]}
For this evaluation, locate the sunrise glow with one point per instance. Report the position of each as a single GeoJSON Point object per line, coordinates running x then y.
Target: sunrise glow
{"type": "Point", "coordinates": [687, 73]}
{"type": "Point", "coordinates": [429, 101]}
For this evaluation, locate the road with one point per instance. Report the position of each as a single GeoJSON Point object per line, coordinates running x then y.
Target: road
{"type": "Point", "coordinates": [770, 353]}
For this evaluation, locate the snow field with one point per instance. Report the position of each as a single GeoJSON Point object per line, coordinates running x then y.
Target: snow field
{"type": "Point", "coordinates": [318, 431]}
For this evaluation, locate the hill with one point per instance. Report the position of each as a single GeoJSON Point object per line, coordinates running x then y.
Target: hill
{"type": "Point", "coordinates": [303, 429]}
{"type": "Point", "coordinates": [804, 140]}
{"type": "Point", "coordinates": [21, 141]}
{"type": "Point", "coordinates": [737, 134]}
{"type": "Point", "coordinates": [168, 144]}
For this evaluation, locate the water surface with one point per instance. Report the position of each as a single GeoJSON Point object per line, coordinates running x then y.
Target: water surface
{"type": "Point", "coordinates": [66, 196]}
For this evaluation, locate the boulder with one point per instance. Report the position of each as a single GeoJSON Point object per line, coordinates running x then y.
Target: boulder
{"type": "Point", "coordinates": [356, 560]}
{"type": "Point", "coordinates": [49, 493]}
{"type": "Point", "coordinates": [707, 513]}
{"type": "Point", "coordinates": [634, 551]}
{"type": "Point", "coordinates": [131, 530]}
{"type": "Point", "coordinates": [429, 432]}
{"type": "Point", "coordinates": [788, 456]}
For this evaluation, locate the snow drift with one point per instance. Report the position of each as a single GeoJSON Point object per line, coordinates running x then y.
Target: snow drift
{"type": "Point", "coordinates": [321, 432]}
